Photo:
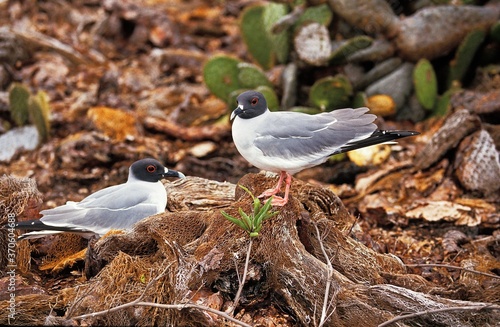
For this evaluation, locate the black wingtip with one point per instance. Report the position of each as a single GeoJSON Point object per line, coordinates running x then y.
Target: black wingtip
{"type": "Point", "coordinates": [37, 225]}
{"type": "Point", "coordinates": [379, 136]}
{"type": "Point", "coordinates": [398, 134]}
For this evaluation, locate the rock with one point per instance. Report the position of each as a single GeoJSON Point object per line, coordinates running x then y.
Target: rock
{"type": "Point", "coordinates": [18, 139]}
{"type": "Point", "coordinates": [380, 70]}
{"type": "Point", "coordinates": [477, 164]}
{"type": "Point", "coordinates": [412, 111]}
{"type": "Point", "coordinates": [398, 85]}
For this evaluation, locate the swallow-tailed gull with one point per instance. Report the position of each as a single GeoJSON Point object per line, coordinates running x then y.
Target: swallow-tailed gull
{"type": "Point", "coordinates": [288, 142]}
{"type": "Point", "coordinates": [114, 207]}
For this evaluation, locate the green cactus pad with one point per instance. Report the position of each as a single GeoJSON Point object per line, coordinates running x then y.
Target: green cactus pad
{"type": "Point", "coordinates": [250, 76]}
{"type": "Point", "coordinates": [220, 74]}
{"type": "Point", "coordinates": [231, 99]}
{"type": "Point", "coordinates": [39, 110]}
{"type": "Point", "coordinates": [18, 102]}
{"type": "Point", "coordinates": [331, 93]}
{"type": "Point", "coordinates": [359, 100]}
{"type": "Point", "coordinates": [495, 31]}
{"type": "Point", "coordinates": [255, 24]}
{"type": "Point", "coordinates": [346, 48]}
{"type": "Point", "coordinates": [443, 103]}
{"type": "Point", "coordinates": [464, 55]}
{"type": "Point", "coordinates": [269, 94]}
{"type": "Point", "coordinates": [280, 41]}
{"type": "Point", "coordinates": [320, 14]}
{"type": "Point", "coordinates": [425, 83]}
{"type": "Point", "coordinates": [271, 98]}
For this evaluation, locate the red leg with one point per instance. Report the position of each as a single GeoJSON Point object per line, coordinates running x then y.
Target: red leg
{"type": "Point", "coordinates": [277, 189]}
{"type": "Point", "coordinates": [278, 201]}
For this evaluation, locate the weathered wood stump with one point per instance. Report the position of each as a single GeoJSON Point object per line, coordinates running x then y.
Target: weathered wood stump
{"type": "Point", "coordinates": [204, 255]}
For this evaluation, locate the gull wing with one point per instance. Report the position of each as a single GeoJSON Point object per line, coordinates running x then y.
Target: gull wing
{"type": "Point", "coordinates": [291, 135]}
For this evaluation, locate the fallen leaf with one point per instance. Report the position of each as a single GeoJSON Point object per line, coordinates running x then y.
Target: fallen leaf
{"type": "Point", "coordinates": [115, 123]}
{"type": "Point", "coordinates": [444, 210]}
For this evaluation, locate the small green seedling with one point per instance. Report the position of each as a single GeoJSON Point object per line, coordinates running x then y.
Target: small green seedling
{"type": "Point", "coordinates": [252, 223]}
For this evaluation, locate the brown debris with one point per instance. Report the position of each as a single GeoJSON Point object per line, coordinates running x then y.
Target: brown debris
{"type": "Point", "coordinates": [135, 25]}
{"type": "Point", "coordinates": [444, 210]}
{"type": "Point", "coordinates": [188, 133]}
{"type": "Point", "coordinates": [456, 126]}
{"type": "Point", "coordinates": [477, 102]}
{"type": "Point", "coordinates": [115, 123]}
{"type": "Point", "coordinates": [19, 200]}
{"type": "Point", "coordinates": [19, 197]}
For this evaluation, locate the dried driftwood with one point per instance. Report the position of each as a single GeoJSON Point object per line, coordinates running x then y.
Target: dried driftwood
{"type": "Point", "coordinates": [203, 255]}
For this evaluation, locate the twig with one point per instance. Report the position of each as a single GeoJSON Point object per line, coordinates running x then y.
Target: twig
{"type": "Point", "coordinates": [129, 304]}
{"type": "Point", "coordinates": [39, 39]}
{"type": "Point", "coordinates": [352, 226]}
{"type": "Point", "coordinates": [214, 132]}
{"type": "Point", "coordinates": [195, 306]}
{"type": "Point", "coordinates": [174, 115]}
{"type": "Point", "coordinates": [422, 313]}
{"type": "Point", "coordinates": [138, 302]}
{"type": "Point", "coordinates": [452, 267]}
{"type": "Point", "coordinates": [328, 279]}
{"type": "Point", "coordinates": [164, 306]}
{"type": "Point", "coordinates": [232, 307]}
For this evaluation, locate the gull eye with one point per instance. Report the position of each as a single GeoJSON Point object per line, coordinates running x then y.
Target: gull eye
{"type": "Point", "coordinates": [151, 168]}
{"type": "Point", "coordinates": [254, 101]}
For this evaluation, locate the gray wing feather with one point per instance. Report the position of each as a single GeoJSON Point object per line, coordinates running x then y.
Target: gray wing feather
{"type": "Point", "coordinates": [102, 210]}
{"type": "Point", "coordinates": [98, 220]}
{"type": "Point", "coordinates": [296, 134]}
{"type": "Point", "coordinates": [114, 197]}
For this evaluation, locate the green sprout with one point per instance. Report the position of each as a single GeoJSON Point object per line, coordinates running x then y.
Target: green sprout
{"type": "Point", "coordinates": [252, 223]}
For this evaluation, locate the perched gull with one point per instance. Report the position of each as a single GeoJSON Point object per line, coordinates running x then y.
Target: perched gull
{"type": "Point", "coordinates": [114, 207]}
{"type": "Point", "coordinates": [288, 142]}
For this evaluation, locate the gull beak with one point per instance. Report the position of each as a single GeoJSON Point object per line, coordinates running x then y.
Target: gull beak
{"type": "Point", "coordinates": [173, 173]}
{"type": "Point", "coordinates": [237, 112]}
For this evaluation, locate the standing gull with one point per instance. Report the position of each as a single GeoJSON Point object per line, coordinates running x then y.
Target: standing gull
{"type": "Point", "coordinates": [288, 142]}
{"type": "Point", "coordinates": [114, 207]}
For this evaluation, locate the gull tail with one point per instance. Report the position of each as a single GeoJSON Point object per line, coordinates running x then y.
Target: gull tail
{"type": "Point", "coordinates": [378, 137]}
{"type": "Point", "coordinates": [39, 229]}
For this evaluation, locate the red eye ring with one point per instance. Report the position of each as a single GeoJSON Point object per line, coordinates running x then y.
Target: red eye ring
{"type": "Point", "coordinates": [254, 101]}
{"type": "Point", "coordinates": [151, 168]}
